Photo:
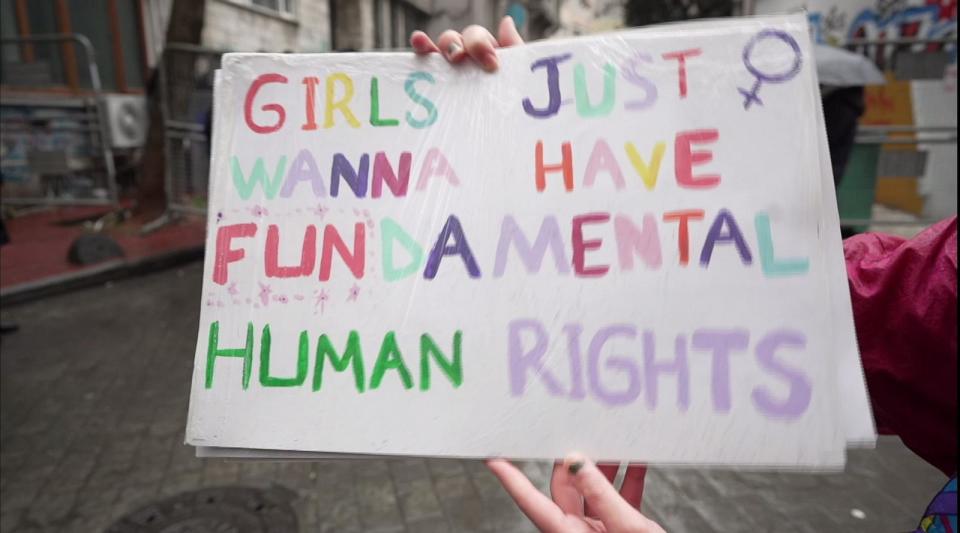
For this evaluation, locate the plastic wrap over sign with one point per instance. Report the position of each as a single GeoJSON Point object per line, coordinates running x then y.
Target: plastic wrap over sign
{"type": "Point", "coordinates": [625, 245]}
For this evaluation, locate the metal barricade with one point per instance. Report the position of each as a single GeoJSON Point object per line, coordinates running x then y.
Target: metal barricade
{"type": "Point", "coordinates": [56, 147]}
{"type": "Point", "coordinates": [185, 77]}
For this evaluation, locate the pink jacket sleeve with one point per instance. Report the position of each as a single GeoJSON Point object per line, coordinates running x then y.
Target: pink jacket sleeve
{"type": "Point", "coordinates": [904, 294]}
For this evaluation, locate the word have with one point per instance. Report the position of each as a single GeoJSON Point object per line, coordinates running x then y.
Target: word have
{"type": "Point", "coordinates": [388, 358]}
{"type": "Point", "coordinates": [603, 161]}
{"type": "Point", "coordinates": [528, 342]}
{"type": "Point", "coordinates": [632, 240]}
{"type": "Point", "coordinates": [337, 102]}
{"type": "Point", "coordinates": [630, 70]}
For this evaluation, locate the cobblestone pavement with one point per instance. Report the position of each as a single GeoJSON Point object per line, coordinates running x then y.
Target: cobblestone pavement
{"type": "Point", "coordinates": [94, 398]}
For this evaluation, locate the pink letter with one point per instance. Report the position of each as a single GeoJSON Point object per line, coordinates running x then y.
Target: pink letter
{"type": "Point", "coordinates": [685, 158]}
{"type": "Point", "coordinates": [681, 57]}
{"type": "Point", "coordinates": [226, 255]}
{"type": "Point", "coordinates": [308, 254]}
{"type": "Point", "coordinates": [581, 246]}
{"type": "Point", "coordinates": [603, 160]}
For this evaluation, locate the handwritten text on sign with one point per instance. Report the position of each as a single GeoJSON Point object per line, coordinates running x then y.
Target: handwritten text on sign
{"type": "Point", "coordinates": [595, 237]}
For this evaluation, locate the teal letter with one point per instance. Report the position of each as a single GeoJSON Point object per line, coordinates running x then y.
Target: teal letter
{"type": "Point", "coordinates": [773, 267]}
{"type": "Point", "coordinates": [420, 99]}
{"type": "Point", "coordinates": [269, 381]}
{"type": "Point", "coordinates": [392, 232]}
{"type": "Point", "coordinates": [259, 175]}
{"type": "Point", "coordinates": [453, 370]}
{"type": "Point", "coordinates": [390, 358]}
{"type": "Point", "coordinates": [214, 351]}
{"type": "Point", "coordinates": [584, 107]}
{"type": "Point", "coordinates": [351, 353]}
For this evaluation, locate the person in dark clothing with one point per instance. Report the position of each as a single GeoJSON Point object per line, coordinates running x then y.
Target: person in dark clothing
{"type": "Point", "coordinates": [842, 109]}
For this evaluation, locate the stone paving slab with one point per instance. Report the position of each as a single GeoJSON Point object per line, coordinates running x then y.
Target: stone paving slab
{"type": "Point", "coordinates": [92, 413]}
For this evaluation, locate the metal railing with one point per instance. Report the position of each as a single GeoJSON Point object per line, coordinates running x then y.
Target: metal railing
{"type": "Point", "coordinates": [185, 104]}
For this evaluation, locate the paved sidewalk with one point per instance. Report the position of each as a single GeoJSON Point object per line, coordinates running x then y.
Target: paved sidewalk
{"type": "Point", "coordinates": [94, 397]}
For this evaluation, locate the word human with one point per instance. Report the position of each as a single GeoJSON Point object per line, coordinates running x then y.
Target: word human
{"type": "Point", "coordinates": [389, 360]}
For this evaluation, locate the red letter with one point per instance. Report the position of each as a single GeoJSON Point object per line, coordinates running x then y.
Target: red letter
{"type": "Point", "coordinates": [684, 238]}
{"type": "Point", "coordinates": [354, 261]}
{"type": "Point", "coordinates": [262, 80]}
{"type": "Point", "coordinates": [581, 246]}
{"type": "Point", "coordinates": [226, 255]}
{"type": "Point", "coordinates": [685, 158]}
{"type": "Point", "coordinates": [681, 57]}
{"type": "Point", "coordinates": [566, 166]}
{"type": "Point", "coordinates": [308, 254]}
{"type": "Point", "coordinates": [311, 104]}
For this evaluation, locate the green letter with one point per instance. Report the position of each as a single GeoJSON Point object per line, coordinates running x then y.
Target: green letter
{"type": "Point", "coordinates": [391, 232]}
{"type": "Point", "coordinates": [584, 107]}
{"type": "Point", "coordinates": [259, 175]}
{"type": "Point", "coordinates": [269, 381]}
{"type": "Point", "coordinates": [420, 99]}
{"type": "Point", "coordinates": [454, 370]}
{"type": "Point", "coordinates": [214, 351]}
{"type": "Point", "coordinates": [390, 357]}
{"type": "Point", "coordinates": [375, 119]}
{"type": "Point", "coordinates": [351, 353]}
{"type": "Point", "coordinates": [773, 267]}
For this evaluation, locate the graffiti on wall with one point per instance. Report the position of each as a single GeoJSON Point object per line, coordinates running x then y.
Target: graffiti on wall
{"type": "Point", "coordinates": [889, 19]}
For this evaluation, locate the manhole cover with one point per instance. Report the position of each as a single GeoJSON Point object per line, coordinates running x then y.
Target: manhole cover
{"type": "Point", "coordinates": [219, 510]}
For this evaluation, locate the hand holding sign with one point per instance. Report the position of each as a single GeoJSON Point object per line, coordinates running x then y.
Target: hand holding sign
{"type": "Point", "coordinates": [599, 241]}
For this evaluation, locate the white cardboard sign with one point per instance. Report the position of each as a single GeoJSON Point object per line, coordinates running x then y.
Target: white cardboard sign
{"type": "Point", "coordinates": [625, 245]}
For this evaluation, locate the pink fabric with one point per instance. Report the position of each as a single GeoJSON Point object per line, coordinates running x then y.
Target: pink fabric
{"type": "Point", "coordinates": [904, 296]}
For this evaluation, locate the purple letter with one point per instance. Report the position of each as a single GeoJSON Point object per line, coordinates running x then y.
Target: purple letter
{"type": "Point", "coordinates": [717, 234]}
{"type": "Point", "coordinates": [721, 343]}
{"type": "Point", "coordinates": [621, 363]}
{"type": "Point", "coordinates": [521, 361]}
{"type": "Point", "coordinates": [356, 179]}
{"type": "Point", "coordinates": [532, 256]}
{"type": "Point", "coordinates": [632, 76]}
{"type": "Point", "coordinates": [553, 86]}
{"type": "Point", "coordinates": [304, 168]}
{"type": "Point", "coordinates": [678, 366]}
{"type": "Point", "coordinates": [576, 367]}
{"type": "Point", "coordinates": [459, 247]}
{"type": "Point", "coordinates": [800, 387]}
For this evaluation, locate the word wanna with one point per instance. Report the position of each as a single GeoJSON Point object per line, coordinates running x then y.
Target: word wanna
{"type": "Point", "coordinates": [528, 359]}
{"type": "Point", "coordinates": [631, 241]}
{"type": "Point", "coordinates": [363, 178]}
{"type": "Point", "coordinates": [388, 358]}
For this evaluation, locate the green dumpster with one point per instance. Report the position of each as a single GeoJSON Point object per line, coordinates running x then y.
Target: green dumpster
{"type": "Point", "coordinates": [858, 188]}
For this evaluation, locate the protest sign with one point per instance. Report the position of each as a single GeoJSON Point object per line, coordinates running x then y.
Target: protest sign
{"type": "Point", "coordinates": [625, 245]}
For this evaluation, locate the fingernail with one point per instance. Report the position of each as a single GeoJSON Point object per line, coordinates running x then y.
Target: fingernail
{"type": "Point", "coordinates": [453, 49]}
{"type": "Point", "coordinates": [575, 467]}
{"type": "Point", "coordinates": [490, 62]}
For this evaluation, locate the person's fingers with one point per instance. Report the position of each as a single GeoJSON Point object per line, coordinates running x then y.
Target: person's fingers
{"type": "Point", "coordinates": [451, 46]}
{"type": "Point", "coordinates": [539, 509]}
{"type": "Point", "coordinates": [632, 488]}
{"type": "Point", "coordinates": [564, 495]}
{"type": "Point", "coordinates": [508, 35]}
{"type": "Point", "coordinates": [422, 43]}
{"type": "Point", "coordinates": [481, 47]}
{"type": "Point", "coordinates": [609, 471]}
{"type": "Point", "coordinates": [615, 513]}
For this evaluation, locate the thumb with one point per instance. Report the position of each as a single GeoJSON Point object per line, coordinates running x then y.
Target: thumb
{"type": "Point", "coordinates": [604, 500]}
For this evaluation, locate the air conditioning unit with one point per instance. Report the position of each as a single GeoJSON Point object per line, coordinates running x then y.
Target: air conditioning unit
{"type": "Point", "coordinates": [127, 120]}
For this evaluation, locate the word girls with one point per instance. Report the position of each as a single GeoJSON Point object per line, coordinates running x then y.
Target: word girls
{"type": "Point", "coordinates": [338, 100]}
{"type": "Point", "coordinates": [630, 70]}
